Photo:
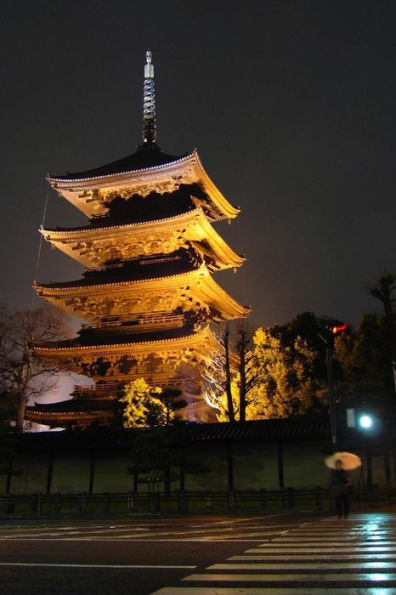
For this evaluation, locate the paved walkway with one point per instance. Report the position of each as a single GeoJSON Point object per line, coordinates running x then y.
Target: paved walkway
{"type": "Point", "coordinates": [353, 556]}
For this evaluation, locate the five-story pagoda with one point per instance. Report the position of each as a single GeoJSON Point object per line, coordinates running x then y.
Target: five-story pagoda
{"type": "Point", "coordinates": [149, 250]}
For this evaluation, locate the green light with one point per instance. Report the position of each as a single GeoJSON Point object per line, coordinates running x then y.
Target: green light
{"type": "Point", "coordinates": [365, 422]}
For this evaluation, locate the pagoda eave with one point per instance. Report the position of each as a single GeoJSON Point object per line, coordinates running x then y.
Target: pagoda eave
{"type": "Point", "coordinates": [76, 418]}
{"type": "Point", "coordinates": [89, 194]}
{"type": "Point", "coordinates": [191, 340]}
{"type": "Point", "coordinates": [183, 290]}
{"type": "Point", "coordinates": [93, 246]}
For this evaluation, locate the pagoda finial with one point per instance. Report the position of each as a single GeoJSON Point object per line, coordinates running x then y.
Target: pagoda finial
{"type": "Point", "coordinates": [149, 129]}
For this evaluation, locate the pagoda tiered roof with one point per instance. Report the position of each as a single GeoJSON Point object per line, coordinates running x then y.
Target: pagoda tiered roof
{"type": "Point", "coordinates": [72, 412]}
{"type": "Point", "coordinates": [138, 269]}
{"type": "Point", "coordinates": [194, 289]}
{"type": "Point", "coordinates": [105, 336]}
{"type": "Point", "coordinates": [95, 245]}
{"type": "Point", "coordinates": [145, 157]}
{"type": "Point", "coordinates": [91, 191]}
{"type": "Point", "coordinates": [203, 341]}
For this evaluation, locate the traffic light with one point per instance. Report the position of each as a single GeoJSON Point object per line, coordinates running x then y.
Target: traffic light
{"type": "Point", "coordinates": [329, 329]}
{"type": "Point", "coordinates": [336, 329]}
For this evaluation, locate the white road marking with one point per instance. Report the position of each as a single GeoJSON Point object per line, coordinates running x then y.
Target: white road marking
{"type": "Point", "coordinates": [121, 566]}
{"type": "Point", "coordinates": [136, 539]}
{"type": "Point", "coordinates": [361, 577]}
{"type": "Point", "coordinates": [268, 591]}
{"type": "Point", "coordinates": [307, 565]}
{"type": "Point", "coordinates": [313, 557]}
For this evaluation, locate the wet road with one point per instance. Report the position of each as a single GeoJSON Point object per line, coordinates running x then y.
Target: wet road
{"type": "Point", "coordinates": [200, 555]}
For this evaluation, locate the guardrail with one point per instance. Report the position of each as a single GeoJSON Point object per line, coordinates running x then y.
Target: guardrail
{"type": "Point", "coordinates": [179, 502]}
{"type": "Point", "coordinates": [91, 505]}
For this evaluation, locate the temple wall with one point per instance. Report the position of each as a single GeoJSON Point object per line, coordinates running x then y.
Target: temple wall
{"type": "Point", "coordinates": [255, 467]}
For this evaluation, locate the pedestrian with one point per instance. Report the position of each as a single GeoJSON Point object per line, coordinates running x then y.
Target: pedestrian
{"type": "Point", "coordinates": [341, 487]}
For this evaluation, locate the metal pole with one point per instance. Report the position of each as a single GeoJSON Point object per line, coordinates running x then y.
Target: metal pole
{"type": "Point", "coordinates": [332, 403]}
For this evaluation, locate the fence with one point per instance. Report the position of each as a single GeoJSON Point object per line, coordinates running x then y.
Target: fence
{"type": "Point", "coordinates": [154, 502]}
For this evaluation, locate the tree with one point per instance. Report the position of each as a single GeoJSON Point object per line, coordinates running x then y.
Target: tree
{"type": "Point", "coordinates": [286, 382]}
{"type": "Point", "coordinates": [247, 373]}
{"type": "Point", "coordinates": [23, 373]}
{"type": "Point", "coordinates": [227, 374]}
{"type": "Point", "coordinates": [216, 381]}
{"type": "Point", "coordinates": [143, 407]}
{"type": "Point", "coordinates": [364, 360]}
{"type": "Point", "coordinates": [281, 372]}
{"type": "Point", "coordinates": [365, 355]}
{"type": "Point", "coordinates": [384, 291]}
{"type": "Point", "coordinates": [170, 398]}
{"type": "Point", "coordinates": [8, 409]}
{"type": "Point", "coordinates": [149, 406]}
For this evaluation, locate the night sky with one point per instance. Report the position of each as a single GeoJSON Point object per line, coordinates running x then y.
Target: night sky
{"type": "Point", "coordinates": [291, 105]}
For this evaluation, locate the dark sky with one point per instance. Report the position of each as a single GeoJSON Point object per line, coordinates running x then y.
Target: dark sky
{"type": "Point", "coordinates": [291, 105]}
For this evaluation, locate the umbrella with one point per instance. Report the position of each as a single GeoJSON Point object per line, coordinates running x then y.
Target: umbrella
{"type": "Point", "coordinates": [349, 461]}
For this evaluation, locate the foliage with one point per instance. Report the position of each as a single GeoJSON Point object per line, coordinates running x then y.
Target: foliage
{"type": "Point", "coordinates": [222, 401]}
{"type": "Point", "coordinates": [280, 372]}
{"type": "Point", "coordinates": [365, 355]}
{"type": "Point", "coordinates": [287, 383]}
{"type": "Point", "coordinates": [148, 406]}
{"type": "Point", "coordinates": [142, 405]}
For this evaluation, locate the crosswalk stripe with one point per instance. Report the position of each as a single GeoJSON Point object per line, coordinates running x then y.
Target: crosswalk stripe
{"type": "Point", "coordinates": [325, 550]}
{"type": "Point", "coordinates": [313, 557]}
{"type": "Point", "coordinates": [266, 591]}
{"type": "Point", "coordinates": [355, 578]}
{"type": "Point", "coordinates": [316, 556]}
{"type": "Point", "coordinates": [322, 566]}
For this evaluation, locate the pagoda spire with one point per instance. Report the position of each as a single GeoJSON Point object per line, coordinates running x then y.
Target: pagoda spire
{"type": "Point", "coordinates": [149, 128]}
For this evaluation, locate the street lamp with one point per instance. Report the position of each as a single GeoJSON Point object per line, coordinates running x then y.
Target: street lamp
{"type": "Point", "coordinates": [365, 421]}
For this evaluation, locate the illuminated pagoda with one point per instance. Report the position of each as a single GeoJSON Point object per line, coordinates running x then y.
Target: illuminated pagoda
{"type": "Point", "coordinates": [149, 250]}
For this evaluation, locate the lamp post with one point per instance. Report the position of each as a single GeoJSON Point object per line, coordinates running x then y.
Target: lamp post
{"type": "Point", "coordinates": [330, 384]}
{"type": "Point", "coordinates": [327, 333]}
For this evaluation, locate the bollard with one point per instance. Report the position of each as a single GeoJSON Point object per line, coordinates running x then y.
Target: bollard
{"type": "Point", "coordinates": [106, 504]}
{"type": "Point", "coordinates": [181, 501]}
{"type": "Point", "coordinates": [131, 502]}
{"type": "Point", "coordinates": [83, 503]}
{"type": "Point", "coordinates": [290, 498]}
{"type": "Point", "coordinates": [318, 497]}
{"type": "Point", "coordinates": [263, 499]}
{"type": "Point", "coordinates": [11, 504]}
{"type": "Point", "coordinates": [58, 505]}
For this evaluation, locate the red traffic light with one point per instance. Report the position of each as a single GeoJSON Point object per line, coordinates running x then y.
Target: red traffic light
{"type": "Point", "coordinates": [336, 329]}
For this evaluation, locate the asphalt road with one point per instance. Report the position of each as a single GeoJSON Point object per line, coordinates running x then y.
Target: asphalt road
{"type": "Point", "coordinates": [200, 555]}
{"type": "Point", "coordinates": [137, 556]}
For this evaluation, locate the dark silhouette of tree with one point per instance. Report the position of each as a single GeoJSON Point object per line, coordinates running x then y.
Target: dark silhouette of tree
{"type": "Point", "coordinates": [170, 398]}
{"type": "Point", "coordinates": [227, 369]}
{"type": "Point", "coordinates": [247, 372]}
{"type": "Point", "coordinates": [366, 354]}
{"type": "Point", "coordinates": [23, 373]}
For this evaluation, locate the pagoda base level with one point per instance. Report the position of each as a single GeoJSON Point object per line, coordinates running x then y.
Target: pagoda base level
{"type": "Point", "coordinates": [83, 412]}
{"type": "Point", "coordinates": [73, 414]}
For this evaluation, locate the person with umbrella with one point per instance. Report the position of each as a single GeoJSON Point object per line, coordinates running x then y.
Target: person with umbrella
{"type": "Point", "coordinates": [340, 485]}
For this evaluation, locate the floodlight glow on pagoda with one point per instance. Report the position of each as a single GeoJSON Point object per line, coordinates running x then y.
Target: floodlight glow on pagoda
{"type": "Point", "coordinates": [150, 250]}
